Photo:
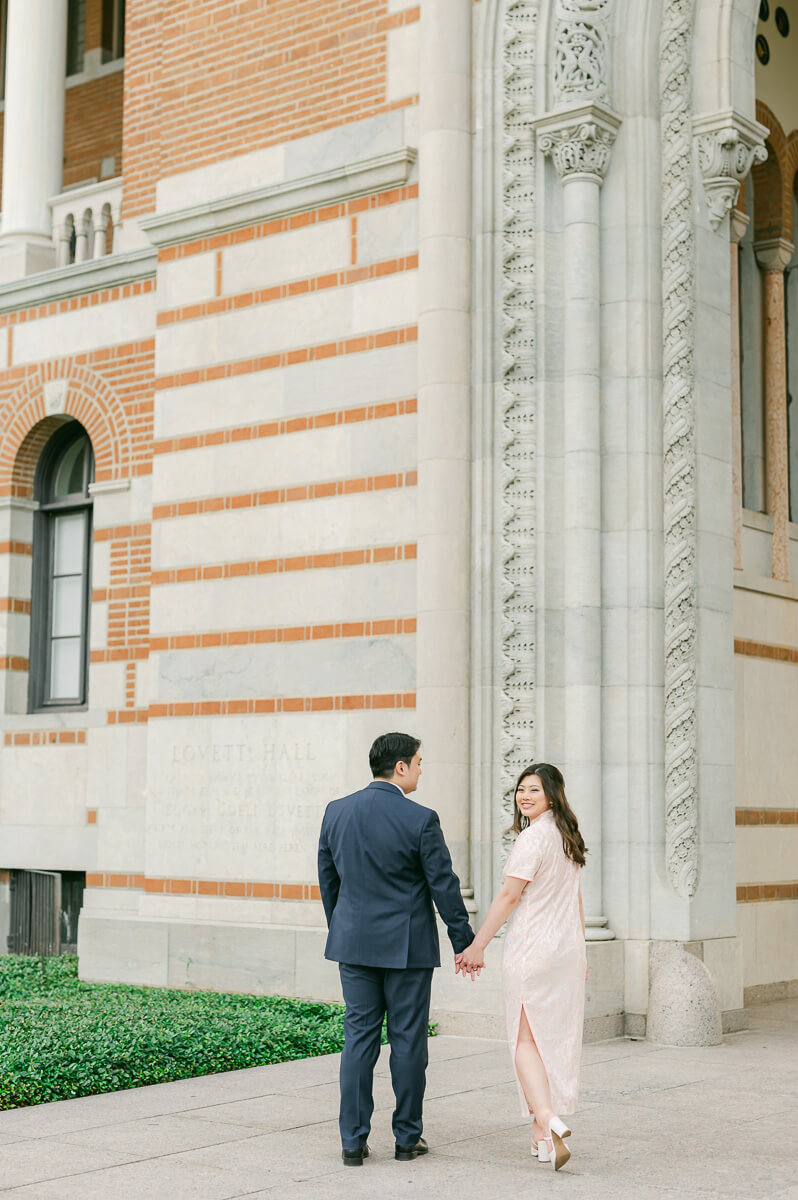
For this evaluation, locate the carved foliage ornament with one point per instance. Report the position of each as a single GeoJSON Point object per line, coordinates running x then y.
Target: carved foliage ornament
{"type": "Point", "coordinates": [579, 148]}
{"type": "Point", "coordinates": [728, 145]}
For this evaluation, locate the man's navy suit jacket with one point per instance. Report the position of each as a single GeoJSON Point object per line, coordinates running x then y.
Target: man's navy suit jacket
{"type": "Point", "coordinates": [382, 862]}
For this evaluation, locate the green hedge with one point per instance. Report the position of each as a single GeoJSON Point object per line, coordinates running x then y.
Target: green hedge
{"type": "Point", "coordinates": [60, 1037]}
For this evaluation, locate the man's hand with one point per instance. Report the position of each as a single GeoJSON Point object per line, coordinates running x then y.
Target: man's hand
{"type": "Point", "coordinates": [470, 961]}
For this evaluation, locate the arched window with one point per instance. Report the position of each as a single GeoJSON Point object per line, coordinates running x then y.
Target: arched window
{"type": "Point", "coordinates": [60, 593]}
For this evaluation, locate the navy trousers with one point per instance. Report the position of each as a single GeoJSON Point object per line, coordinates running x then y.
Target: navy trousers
{"type": "Point", "coordinates": [370, 993]}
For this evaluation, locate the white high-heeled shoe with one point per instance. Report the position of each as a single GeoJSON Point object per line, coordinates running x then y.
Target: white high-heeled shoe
{"type": "Point", "coordinates": [559, 1153]}
{"type": "Point", "coordinates": [541, 1151]}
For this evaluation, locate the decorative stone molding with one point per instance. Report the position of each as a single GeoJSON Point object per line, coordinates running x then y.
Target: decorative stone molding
{"type": "Point", "coordinates": [516, 602]}
{"type": "Point", "coordinates": [679, 474]}
{"type": "Point", "coordinates": [344, 182]}
{"type": "Point", "coordinates": [579, 140]}
{"type": "Point", "coordinates": [728, 145]}
{"type": "Point", "coordinates": [773, 254]}
{"type": "Point", "coordinates": [739, 223]}
{"type": "Point", "coordinates": [581, 51]}
{"type": "Point", "coordinates": [115, 270]}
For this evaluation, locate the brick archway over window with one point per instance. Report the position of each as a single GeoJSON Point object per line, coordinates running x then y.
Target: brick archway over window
{"type": "Point", "coordinates": [36, 409]}
{"type": "Point", "coordinates": [773, 180]}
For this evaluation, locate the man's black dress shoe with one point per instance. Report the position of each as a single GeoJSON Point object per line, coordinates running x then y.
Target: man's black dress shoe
{"type": "Point", "coordinates": [354, 1158]}
{"type": "Point", "coordinates": [406, 1153]}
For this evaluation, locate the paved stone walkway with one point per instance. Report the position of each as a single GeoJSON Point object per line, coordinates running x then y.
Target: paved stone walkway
{"type": "Point", "coordinates": [653, 1124]}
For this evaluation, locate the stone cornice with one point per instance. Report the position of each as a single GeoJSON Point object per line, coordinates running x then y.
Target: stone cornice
{"type": "Point", "coordinates": [579, 140]}
{"type": "Point", "coordinates": [346, 182]}
{"type": "Point", "coordinates": [728, 145]}
{"type": "Point", "coordinates": [115, 270]}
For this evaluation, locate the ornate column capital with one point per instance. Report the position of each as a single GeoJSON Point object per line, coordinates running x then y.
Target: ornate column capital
{"type": "Point", "coordinates": [579, 140]}
{"type": "Point", "coordinates": [739, 222]}
{"type": "Point", "coordinates": [728, 145]}
{"type": "Point", "coordinates": [773, 254]}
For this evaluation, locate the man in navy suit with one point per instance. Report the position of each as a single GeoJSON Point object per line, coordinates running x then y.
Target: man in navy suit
{"type": "Point", "coordinates": [382, 862]}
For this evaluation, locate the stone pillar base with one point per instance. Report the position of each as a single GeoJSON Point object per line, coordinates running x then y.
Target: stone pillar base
{"type": "Point", "coordinates": [23, 257]}
{"type": "Point", "coordinates": [683, 1004]}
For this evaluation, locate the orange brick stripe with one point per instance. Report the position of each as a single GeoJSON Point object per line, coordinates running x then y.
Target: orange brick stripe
{"type": "Point", "coordinates": [289, 358]}
{"type": "Point", "coordinates": [5, 876]}
{"type": "Point", "coordinates": [293, 633]}
{"type": "Point", "coordinates": [10, 604]}
{"type": "Point", "coordinates": [128, 716]}
{"type": "Point", "coordinates": [13, 663]}
{"type": "Point", "coordinates": [766, 816]}
{"type": "Point", "coordinates": [370, 555]}
{"type": "Point", "coordinates": [330, 212]}
{"type": "Point", "coordinates": [310, 491]}
{"type": "Point", "coordinates": [245, 433]}
{"type": "Point", "coordinates": [23, 548]}
{"type": "Point", "coordinates": [119, 532]}
{"type": "Point", "coordinates": [754, 892]}
{"type": "Point", "coordinates": [108, 879]}
{"type": "Point", "coordinates": [282, 704]}
{"type": "Point", "coordinates": [250, 889]}
{"type": "Point", "coordinates": [87, 300]}
{"type": "Point", "coordinates": [126, 654]}
{"type": "Point", "coordinates": [765, 650]}
{"type": "Point", "coordinates": [46, 737]}
{"type": "Point", "coordinates": [120, 592]}
{"type": "Point", "coordinates": [284, 291]}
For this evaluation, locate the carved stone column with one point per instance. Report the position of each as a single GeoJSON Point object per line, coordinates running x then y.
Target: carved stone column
{"type": "Point", "coordinates": [728, 146]}
{"type": "Point", "coordinates": [579, 142]}
{"type": "Point", "coordinates": [739, 224]}
{"type": "Point", "coordinates": [773, 254]}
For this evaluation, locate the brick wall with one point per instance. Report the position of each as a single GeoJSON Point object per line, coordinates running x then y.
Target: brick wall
{"type": "Point", "coordinates": [93, 128]}
{"type": "Point", "coordinates": [225, 77]}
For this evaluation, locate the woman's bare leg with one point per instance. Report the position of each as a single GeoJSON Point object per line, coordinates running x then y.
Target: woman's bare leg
{"type": "Point", "coordinates": [533, 1077]}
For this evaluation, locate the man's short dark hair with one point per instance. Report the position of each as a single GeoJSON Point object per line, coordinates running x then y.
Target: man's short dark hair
{"type": "Point", "coordinates": [388, 750]}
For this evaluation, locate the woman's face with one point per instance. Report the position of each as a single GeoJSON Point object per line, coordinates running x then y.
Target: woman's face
{"type": "Point", "coordinates": [530, 797]}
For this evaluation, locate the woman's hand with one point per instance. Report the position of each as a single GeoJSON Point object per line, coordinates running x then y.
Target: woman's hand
{"type": "Point", "coordinates": [470, 961]}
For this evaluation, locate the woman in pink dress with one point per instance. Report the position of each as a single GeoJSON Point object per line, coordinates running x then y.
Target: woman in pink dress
{"type": "Point", "coordinates": [544, 960]}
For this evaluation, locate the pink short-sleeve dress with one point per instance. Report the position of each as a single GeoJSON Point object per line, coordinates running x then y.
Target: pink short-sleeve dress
{"type": "Point", "coordinates": [544, 958]}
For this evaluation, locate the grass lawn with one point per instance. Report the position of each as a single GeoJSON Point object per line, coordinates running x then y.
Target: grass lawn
{"type": "Point", "coordinates": [61, 1038]}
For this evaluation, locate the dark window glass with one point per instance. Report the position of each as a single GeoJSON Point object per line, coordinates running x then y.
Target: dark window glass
{"type": "Point", "coordinates": [60, 594]}
{"type": "Point", "coordinates": [76, 36]}
{"type": "Point", "coordinates": [113, 29]}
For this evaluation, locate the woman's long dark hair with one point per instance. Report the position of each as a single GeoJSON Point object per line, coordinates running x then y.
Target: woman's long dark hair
{"type": "Point", "coordinates": [554, 787]}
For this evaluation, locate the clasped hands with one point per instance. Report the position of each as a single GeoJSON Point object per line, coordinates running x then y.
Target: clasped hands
{"type": "Point", "coordinates": [470, 961]}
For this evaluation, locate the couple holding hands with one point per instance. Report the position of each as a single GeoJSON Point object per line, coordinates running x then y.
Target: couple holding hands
{"type": "Point", "coordinates": [383, 862]}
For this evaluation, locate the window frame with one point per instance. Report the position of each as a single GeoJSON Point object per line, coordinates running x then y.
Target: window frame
{"type": "Point", "coordinates": [42, 581]}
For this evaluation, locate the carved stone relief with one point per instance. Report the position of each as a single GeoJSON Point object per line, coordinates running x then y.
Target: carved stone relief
{"type": "Point", "coordinates": [728, 145]}
{"type": "Point", "coordinates": [581, 51]}
{"type": "Point", "coordinates": [579, 141]}
{"type": "Point", "coordinates": [679, 500]}
{"type": "Point", "coordinates": [517, 600]}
